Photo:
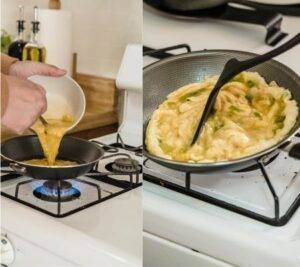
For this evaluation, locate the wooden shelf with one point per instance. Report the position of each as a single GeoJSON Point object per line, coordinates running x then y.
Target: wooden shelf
{"type": "Point", "coordinates": [101, 97]}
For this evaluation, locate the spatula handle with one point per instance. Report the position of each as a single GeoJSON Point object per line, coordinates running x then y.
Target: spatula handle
{"type": "Point", "coordinates": [247, 64]}
{"type": "Point", "coordinates": [234, 66]}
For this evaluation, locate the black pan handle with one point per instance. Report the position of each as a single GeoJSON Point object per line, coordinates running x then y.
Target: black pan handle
{"type": "Point", "coordinates": [106, 148]}
{"type": "Point", "coordinates": [161, 53]}
{"type": "Point", "coordinates": [252, 62]}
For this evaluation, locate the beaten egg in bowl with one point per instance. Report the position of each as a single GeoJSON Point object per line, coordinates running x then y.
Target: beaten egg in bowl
{"type": "Point", "coordinates": [249, 116]}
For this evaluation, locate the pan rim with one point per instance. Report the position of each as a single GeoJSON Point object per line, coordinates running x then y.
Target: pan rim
{"type": "Point", "coordinates": [217, 164]}
{"type": "Point", "coordinates": [52, 167]}
{"type": "Point", "coordinates": [227, 162]}
{"type": "Point", "coordinates": [209, 51]}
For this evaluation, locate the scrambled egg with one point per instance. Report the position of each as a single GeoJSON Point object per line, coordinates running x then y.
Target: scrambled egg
{"type": "Point", "coordinates": [249, 116]}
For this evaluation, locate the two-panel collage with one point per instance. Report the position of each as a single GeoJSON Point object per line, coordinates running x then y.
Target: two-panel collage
{"type": "Point", "coordinates": [155, 133]}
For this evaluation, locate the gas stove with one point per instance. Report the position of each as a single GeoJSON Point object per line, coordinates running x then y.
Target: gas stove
{"type": "Point", "coordinates": [274, 183]}
{"type": "Point", "coordinates": [93, 220]}
{"type": "Point", "coordinates": [245, 218]}
{"type": "Point", "coordinates": [96, 212]}
{"type": "Point", "coordinates": [118, 172]}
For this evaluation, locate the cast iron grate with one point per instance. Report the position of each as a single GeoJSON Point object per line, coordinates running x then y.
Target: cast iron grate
{"type": "Point", "coordinates": [123, 185]}
{"type": "Point", "coordinates": [277, 220]}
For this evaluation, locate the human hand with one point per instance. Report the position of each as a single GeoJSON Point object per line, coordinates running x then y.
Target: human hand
{"type": "Point", "coordinates": [26, 102]}
{"type": "Point", "coordinates": [25, 69]}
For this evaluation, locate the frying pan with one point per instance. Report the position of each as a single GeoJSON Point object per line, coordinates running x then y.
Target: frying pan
{"type": "Point", "coordinates": [165, 76]}
{"type": "Point", "coordinates": [265, 15]}
{"type": "Point", "coordinates": [18, 149]}
{"type": "Point", "coordinates": [192, 5]}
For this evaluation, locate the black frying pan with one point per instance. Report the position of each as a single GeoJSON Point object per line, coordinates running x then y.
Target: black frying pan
{"type": "Point", "coordinates": [268, 16]}
{"type": "Point", "coordinates": [18, 149]}
{"type": "Point", "coordinates": [192, 5]}
{"type": "Point", "coordinates": [167, 75]}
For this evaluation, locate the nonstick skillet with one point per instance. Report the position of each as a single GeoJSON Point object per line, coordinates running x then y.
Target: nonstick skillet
{"type": "Point", "coordinates": [167, 75]}
{"type": "Point", "coordinates": [267, 15]}
{"type": "Point", "coordinates": [19, 149]}
{"type": "Point", "coordinates": [289, 8]}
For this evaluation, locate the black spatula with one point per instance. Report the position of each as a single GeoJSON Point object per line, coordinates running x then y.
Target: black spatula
{"type": "Point", "coordinates": [232, 68]}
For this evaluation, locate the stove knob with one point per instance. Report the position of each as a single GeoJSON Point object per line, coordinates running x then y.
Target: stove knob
{"type": "Point", "coordinates": [7, 253]}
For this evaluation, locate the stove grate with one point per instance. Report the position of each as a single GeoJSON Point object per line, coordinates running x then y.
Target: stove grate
{"type": "Point", "coordinates": [114, 147]}
{"type": "Point", "coordinates": [123, 185]}
{"type": "Point", "coordinates": [277, 220]}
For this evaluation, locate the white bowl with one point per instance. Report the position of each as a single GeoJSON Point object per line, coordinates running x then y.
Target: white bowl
{"type": "Point", "coordinates": [64, 96]}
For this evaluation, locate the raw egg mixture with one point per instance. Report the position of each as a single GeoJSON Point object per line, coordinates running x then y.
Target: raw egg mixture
{"type": "Point", "coordinates": [50, 136]}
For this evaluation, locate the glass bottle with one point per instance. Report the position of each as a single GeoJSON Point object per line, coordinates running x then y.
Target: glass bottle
{"type": "Point", "coordinates": [15, 49]}
{"type": "Point", "coordinates": [33, 50]}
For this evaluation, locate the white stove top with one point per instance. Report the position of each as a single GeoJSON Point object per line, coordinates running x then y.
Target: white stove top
{"type": "Point", "coordinates": [201, 228]}
{"type": "Point", "coordinates": [106, 234]}
{"type": "Point", "coordinates": [238, 187]}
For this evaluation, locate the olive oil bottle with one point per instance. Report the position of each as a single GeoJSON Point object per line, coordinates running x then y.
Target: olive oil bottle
{"type": "Point", "coordinates": [15, 49]}
{"type": "Point", "coordinates": [33, 50]}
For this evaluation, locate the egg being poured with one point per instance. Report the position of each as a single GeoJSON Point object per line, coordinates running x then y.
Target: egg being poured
{"type": "Point", "coordinates": [50, 136]}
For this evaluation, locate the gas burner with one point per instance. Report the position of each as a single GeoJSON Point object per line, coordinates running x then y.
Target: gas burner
{"type": "Point", "coordinates": [42, 195]}
{"type": "Point", "coordinates": [110, 168]}
{"type": "Point", "coordinates": [49, 191]}
{"type": "Point", "coordinates": [256, 166]}
{"type": "Point", "coordinates": [126, 165]}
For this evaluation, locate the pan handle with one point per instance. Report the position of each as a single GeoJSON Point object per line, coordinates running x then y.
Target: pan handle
{"type": "Point", "coordinates": [18, 168]}
{"type": "Point", "coordinates": [161, 53]}
{"type": "Point", "coordinates": [106, 148]}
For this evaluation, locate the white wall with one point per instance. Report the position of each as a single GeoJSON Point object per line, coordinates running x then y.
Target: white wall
{"type": "Point", "coordinates": [101, 29]}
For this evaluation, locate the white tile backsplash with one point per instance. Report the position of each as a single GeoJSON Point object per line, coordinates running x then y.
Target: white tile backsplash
{"type": "Point", "coordinates": [101, 29]}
